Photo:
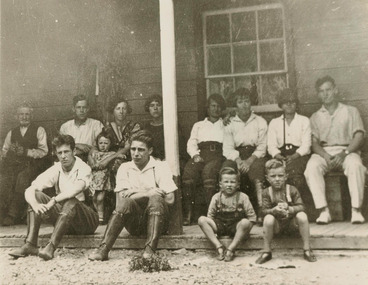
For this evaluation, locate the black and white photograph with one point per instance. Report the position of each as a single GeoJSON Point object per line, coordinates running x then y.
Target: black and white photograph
{"type": "Point", "coordinates": [184, 142]}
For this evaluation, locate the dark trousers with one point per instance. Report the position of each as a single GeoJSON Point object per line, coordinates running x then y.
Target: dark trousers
{"type": "Point", "coordinates": [136, 212]}
{"type": "Point", "coordinates": [15, 179]}
{"type": "Point", "coordinates": [83, 219]}
{"type": "Point", "coordinates": [256, 173]}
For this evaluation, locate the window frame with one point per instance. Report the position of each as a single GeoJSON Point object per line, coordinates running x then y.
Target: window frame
{"type": "Point", "coordinates": [231, 44]}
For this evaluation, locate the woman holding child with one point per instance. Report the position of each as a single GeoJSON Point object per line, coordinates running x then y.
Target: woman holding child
{"type": "Point", "coordinates": [121, 129]}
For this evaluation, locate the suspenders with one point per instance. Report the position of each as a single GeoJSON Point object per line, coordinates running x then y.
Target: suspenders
{"type": "Point", "coordinates": [288, 195]}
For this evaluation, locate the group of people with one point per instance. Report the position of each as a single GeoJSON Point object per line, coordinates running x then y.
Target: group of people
{"type": "Point", "coordinates": [228, 151]}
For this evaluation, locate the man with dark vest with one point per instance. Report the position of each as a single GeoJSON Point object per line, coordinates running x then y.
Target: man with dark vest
{"type": "Point", "coordinates": [21, 161]}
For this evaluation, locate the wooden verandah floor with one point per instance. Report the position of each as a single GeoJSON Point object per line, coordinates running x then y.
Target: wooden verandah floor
{"type": "Point", "coordinates": [339, 235]}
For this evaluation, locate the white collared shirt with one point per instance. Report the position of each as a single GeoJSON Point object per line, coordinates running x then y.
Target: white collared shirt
{"type": "Point", "coordinates": [253, 132]}
{"type": "Point", "coordinates": [56, 177]}
{"type": "Point", "coordinates": [297, 133]}
{"type": "Point", "coordinates": [156, 174]}
{"type": "Point", "coordinates": [204, 131]}
{"type": "Point", "coordinates": [339, 128]}
{"type": "Point", "coordinates": [86, 133]}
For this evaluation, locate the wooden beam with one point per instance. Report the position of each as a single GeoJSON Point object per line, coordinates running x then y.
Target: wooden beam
{"type": "Point", "coordinates": [168, 75]}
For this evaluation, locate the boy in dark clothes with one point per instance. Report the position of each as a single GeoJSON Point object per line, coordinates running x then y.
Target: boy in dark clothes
{"type": "Point", "coordinates": [230, 213]}
{"type": "Point", "coordinates": [283, 211]}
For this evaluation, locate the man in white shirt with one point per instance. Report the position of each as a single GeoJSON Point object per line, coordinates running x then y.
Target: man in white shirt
{"type": "Point", "coordinates": [21, 160]}
{"type": "Point", "coordinates": [205, 149]}
{"type": "Point", "coordinates": [337, 136]}
{"type": "Point", "coordinates": [144, 191]}
{"type": "Point", "coordinates": [84, 130]}
{"type": "Point", "coordinates": [67, 210]}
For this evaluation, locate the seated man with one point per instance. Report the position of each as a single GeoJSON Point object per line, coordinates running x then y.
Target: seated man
{"type": "Point", "coordinates": [67, 210]}
{"type": "Point", "coordinates": [245, 142]}
{"type": "Point", "coordinates": [84, 130]}
{"type": "Point", "coordinates": [337, 135]}
{"type": "Point", "coordinates": [205, 148]}
{"type": "Point", "coordinates": [21, 161]}
{"type": "Point", "coordinates": [145, 189]}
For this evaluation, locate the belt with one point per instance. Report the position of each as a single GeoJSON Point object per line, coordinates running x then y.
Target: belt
{"type": "Point", "coordinates": [210, 145]}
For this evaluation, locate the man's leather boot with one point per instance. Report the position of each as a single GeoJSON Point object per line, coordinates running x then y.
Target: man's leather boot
{"type": "Point", "coordinates": [188, 192]}
{"type": "Point", "coordinates": [113, 229]}
{"type": "Point", "coordinates": [61, 227]}
{"type": "Point", "coordinates": [258, 185]}
{"type": "Point", "coordinates": [154, 228]}
{"type": "Point", "coordinates": [30, 246]}
{"type": "Point", "coordinates": [209, 187]}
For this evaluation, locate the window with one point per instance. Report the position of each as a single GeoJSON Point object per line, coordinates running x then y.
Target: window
{"type": "Point", "coordinates": [245, 47]}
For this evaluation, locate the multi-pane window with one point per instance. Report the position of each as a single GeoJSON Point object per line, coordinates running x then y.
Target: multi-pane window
{"type": "Point", "coordinates": [245, 47]}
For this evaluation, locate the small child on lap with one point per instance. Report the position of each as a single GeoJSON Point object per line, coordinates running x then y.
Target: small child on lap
{"type": "Point", "coordinates": [99, 160]}
{"type": "Point", "coordinates": [230, 213]}
{"type": "Point", "coordinates": [283, 211]}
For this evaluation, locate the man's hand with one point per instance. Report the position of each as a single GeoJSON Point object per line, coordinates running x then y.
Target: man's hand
{"type": "Point", "coordinates": [40, 208]}
{"type": "Point", "coordinates": [279, 156]}
{"type": "Point", "coordinates": [337, 160]}
{"type": "Point", "coordinates": [292, 157]}
{"type": "Point", "coordinates": [128, 193]}
{"type": "Point", "coordinates": [156, 191]}
{"type": "Point", "coordinates": [244, 165]}
{"type": "Point", "coordinates": [197, 158]}
{"type": "Point", "coordinates": [82, 148]}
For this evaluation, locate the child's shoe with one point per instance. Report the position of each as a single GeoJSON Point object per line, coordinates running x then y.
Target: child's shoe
{"type": "Point", "coordinates": [230, 255]}
{"type": "Point", "coordinates": [309, 255]}
{"type": "Point", "coordinates": [265, 256]}
{"type": "Point", "coordinates": [220, 252]}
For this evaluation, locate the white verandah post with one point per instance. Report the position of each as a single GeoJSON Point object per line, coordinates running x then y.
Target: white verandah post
{"type": "Point", "coordinates": [168, 72]}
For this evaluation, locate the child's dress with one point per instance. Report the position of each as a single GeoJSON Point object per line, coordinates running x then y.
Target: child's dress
{"type": "Point", "coordinates": [228, 211]}
{"type": "Point", "coordinates": [101, 179]}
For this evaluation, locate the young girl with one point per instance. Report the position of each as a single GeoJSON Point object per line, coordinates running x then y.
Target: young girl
{"type": "Point", "coordinates": [99, 161]}
{"type": "Point", "coordinates": [230, 213]}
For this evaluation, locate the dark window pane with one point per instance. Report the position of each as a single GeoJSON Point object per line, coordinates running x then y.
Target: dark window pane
{"type": "Point", "coordinates": [270, 24]}
{"type": "Point", "coordinates": [271, 85]}
{"type": "Point", "coordinates": [245, 58]}
{"type": "Point", "coordinates": [251, 83]}
{"type": "Point", "coordinates": [243, 26]}
{"type": "Point", "coordinates": [222, 86]}
{"type": "Point", "coordinates": [217, 29]}
{"type": "Point", "coordinates": [219, 60]}
{"type": "Point", "coordinates": [272, 56]}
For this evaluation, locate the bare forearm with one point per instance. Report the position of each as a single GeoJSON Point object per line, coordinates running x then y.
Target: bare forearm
{"type": "Point", "coordinates": [356, 142]}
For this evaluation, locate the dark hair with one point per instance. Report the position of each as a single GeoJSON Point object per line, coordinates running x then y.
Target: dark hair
{"type": "Point", "coordinates": [78, 98]}
{"type": "Point", "coordinates": [218, 99]}
{"type": "Point", "coordinates": [107, 135]}
{"type": "Point", "coordinates": [150, 99]}
{"type": "Point", "coordinates": [229, 167]}
{"type": "Point", "coordinates": [239, 93]}
{"type": "Point", "coordinates": [229, 171]}
{"type": "Point", "coordinates": [63, 140]}
{"type": "Point", "coordinates": [143, 136]}
{"type": "Point", "coordinates": [324, 79]}
{"type": "Point", "coordinates": [287, 95]}
{"type": "Point", "coordinates": [273, 164]}
{"type": "Point", "coordinates": [114, 102]}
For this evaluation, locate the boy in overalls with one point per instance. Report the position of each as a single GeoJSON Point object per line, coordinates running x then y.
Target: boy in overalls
{"type": "Point", "coordinates": [283, 211]}
{"type": "Point", "coordinates": [230, 213]}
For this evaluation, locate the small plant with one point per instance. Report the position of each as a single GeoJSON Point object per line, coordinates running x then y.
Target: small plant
{"type": "Point", "coordinates": [155, 263]}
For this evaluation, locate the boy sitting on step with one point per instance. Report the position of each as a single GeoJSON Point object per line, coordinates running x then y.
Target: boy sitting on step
{"type": "Point", "coordinates": [283, 211]}
{"type": "Point", "coordinates": [230, 213]}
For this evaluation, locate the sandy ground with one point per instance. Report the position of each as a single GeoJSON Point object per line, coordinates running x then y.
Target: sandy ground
{"type": "Point", "coordinates": [189, 267]}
